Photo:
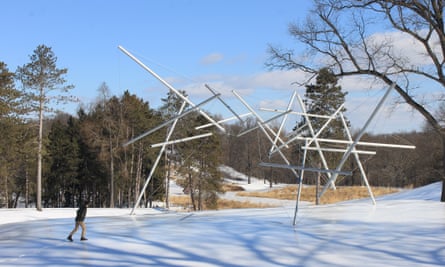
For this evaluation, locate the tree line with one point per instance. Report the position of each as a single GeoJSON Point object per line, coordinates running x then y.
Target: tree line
{"type": "Point", "coordinates": [58, 160]}
{"type": "Point", "coordinates": [83, 156]}
{"type": "Point", "coordinates": [388, 167]}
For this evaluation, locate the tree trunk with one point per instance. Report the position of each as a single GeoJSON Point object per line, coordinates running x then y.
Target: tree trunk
{"type": "Point", "coordinates": [111, 174]}
{"type": "Point", "coordinates": [137, 185]}
{"type": "Point", "coordinates": [16, 199]}
{"type": "Point", "coordinates": [317, 188]}
{"type": "Point", "coordinates": [6, 192]}
{"type": "Point", "coordinates": [442, 135]}
{"type": "Point", "coordinates": [200, 189]}
{"type": "Point", "coordinates": [192, 195]}
{"type": "Point", "coordinates": [249, 165]}
{"type": "Point", "coordinates": [129, 197]}
{"type": "Point", "coordinates": [39, 154]}
{"type": "Point", "coordinates": [26, 188]}
{"type": "Point", "coordinates": [167, 180]}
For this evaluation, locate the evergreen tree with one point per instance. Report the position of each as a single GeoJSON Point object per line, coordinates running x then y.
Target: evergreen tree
{"type": "Point", "coordinates": [92, 175]}
{"type": "Point", "coordinates": [324, 98]}
{"type": "Point", "coordinates": [172, 104]}
{"type": "Point", "coordinates": [64, 159]}
{"type": "Point", "coordinates": [170, 108]}
{"type": "Point", "coordinates": [200, 159]}
{"type": "Point", "coordinates": [39, 78]}
{"type": "Point", "coordinates": [111, 122]}
{"type": "Point", "coordinates": [138, 158]}
{"type": "Point", "coordinates": [10, 98]}
{"type": "Point", "coordinates": [11, 127]}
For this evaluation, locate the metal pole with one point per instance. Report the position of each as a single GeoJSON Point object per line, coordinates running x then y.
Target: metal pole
{"type": "Point", "coordinates": [297, 113]}
{"type": "Point", "coordinates": [256, 115]}
{"type": "Point", "coordinates": [359, 163]}
{"type": "Point", "coordinates": [360, 134]}
{"type": "Point", "coordinates": [300, 185]}
{"type": "Point", "coordinates": [181, 140]}
{"type": "Point", "coordinates": [263, 123]}
{"type": "Point", "coordinates": [259, 122]}
{"type": "Point", "coordinates": [294, 167]}
{"type": "Point", "coordinates": [221, 121]}
{"type": "Point", "coordinates": [314, 136]}
{"type": "Point", "coordinates": [171, 87]}
{"type": "Point", "coordinates": [224, 103]}
{"type": "Point", "coordinates": [340, 150]}
{"type": "Point", "coordinates": [157, 160]}
{"type": "Point", "coordinates": [169, 121]}
{"type": "Point", "coordinates": [310, 125]}
{"type": "Point", "coordinates": [291, 101]}
{"type": "Point", "coordinates": [337, 141]}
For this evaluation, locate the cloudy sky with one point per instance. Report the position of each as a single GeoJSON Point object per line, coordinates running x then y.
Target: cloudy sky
{"type": "Point", "coordinates": [188, 43]}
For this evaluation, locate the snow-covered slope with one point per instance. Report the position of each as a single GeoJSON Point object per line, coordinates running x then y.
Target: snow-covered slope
{"type": "Point", "coordinates": [404, 229]}
{"type": "Point", "coordinates": [428, 192]}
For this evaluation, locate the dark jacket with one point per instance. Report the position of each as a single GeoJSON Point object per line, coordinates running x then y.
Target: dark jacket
{"type": "Point", "coordinates": [81, 213]}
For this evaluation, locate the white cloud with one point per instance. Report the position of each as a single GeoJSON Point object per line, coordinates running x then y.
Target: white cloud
{"type": "Point", "coordinates": [279, 80]}
{"type": "Point", "coordinates": [273, 103]}
{"type": "Point", "coordinates": [212, 58]}
{"type": "Point", "coordinates": [405, 46]}
{"type": "Point", "coordinates": [390, 118]}
{"type": "Point", "coordinates": [273, 89]}
{"type": "Point", "coordinates": [360, 83]}
{"type": "Point", "coordinates": [244, 84]}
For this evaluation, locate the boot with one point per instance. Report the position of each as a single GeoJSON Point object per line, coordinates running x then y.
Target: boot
{"type": "Point", "coordinates": [70, 238]}
{"type": "Point", "coordinates": [83, 239]}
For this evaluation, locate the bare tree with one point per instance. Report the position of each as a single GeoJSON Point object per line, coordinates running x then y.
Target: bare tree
{"type": "Point", "coordinates": [341, 34]}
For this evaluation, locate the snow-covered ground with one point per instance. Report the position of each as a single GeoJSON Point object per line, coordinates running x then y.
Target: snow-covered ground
{"type": "Point", "coordinates": [404, 229]}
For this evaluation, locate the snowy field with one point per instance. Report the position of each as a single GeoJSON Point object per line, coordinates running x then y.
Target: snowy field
{"type": "Point", "coordinates": [404, 229]}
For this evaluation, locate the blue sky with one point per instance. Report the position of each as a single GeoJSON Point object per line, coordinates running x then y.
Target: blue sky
{"type": "Point", "coordinates": [189, 43]}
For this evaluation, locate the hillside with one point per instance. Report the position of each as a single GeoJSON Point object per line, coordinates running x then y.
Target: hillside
{"type": "Point", "coordinates": [403, 229]}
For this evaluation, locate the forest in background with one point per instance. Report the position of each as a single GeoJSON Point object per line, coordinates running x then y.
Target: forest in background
{"type": "Point", "coordinates": [83, 156]}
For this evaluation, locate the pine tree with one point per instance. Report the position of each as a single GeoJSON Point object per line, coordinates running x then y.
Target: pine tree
{"type": "Point", "coordinates": [10, 104]}
{"type": "Point", "coordinates": [200, 159]}
{"type": "Point", "coordinates": [324, 98]}
{"type": "Point", "coordinates": [137, 159]}
{"type": "Point", "coordinates": [11, 128]}
{"type": "Point", "coordinates": [170, 108]}
{"type": "Point", "coordinates": [64, 159]}
{"type": "Point", "coordinates": [40, 77]}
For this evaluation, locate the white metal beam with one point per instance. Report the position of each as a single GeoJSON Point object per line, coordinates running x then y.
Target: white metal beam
{"type": "Point", "coordinates": [155, 164]}
{"type": "Point", "coordinates": [195, 108]}
{"type": "Point", "coordinates": [297, 113]}
{"type": "Point", "coordinates": [283, 121]}
{"type": "Point", "coordinates": [224, 103]}
{"type": "Point", "coordinates": [365, 152]}
{"type": "Point", "coordinates": [181, 140]}
{"type": "Point", "coordinates": [348, 142]}
{"type": "Point", "coordinates": [256, 115]}
{"type": "Point", "coordinates": [171, 87]}
{"type": "Point", "coordinates": [223, 120]}
{"type": "Point", "coordinates": [294, 167]}
{"type": "Point", "coordinates": [263, 123]}
{"type": "Point", "coordinates": [359, 135]}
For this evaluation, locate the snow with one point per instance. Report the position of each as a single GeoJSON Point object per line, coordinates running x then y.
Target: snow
{"type": "Point", "coordinates": [403, 229]}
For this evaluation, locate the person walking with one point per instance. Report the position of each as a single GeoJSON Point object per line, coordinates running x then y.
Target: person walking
{"type": "Point", "coordinates": [80, 221]}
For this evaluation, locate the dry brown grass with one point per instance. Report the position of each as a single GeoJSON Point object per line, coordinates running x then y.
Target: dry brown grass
{"type": "Point", "coordinates": [232, 188]}
{"type": "Point", "coordinates": [342, 193]}
{"type": "Point", "coordinates": [185, 203]}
